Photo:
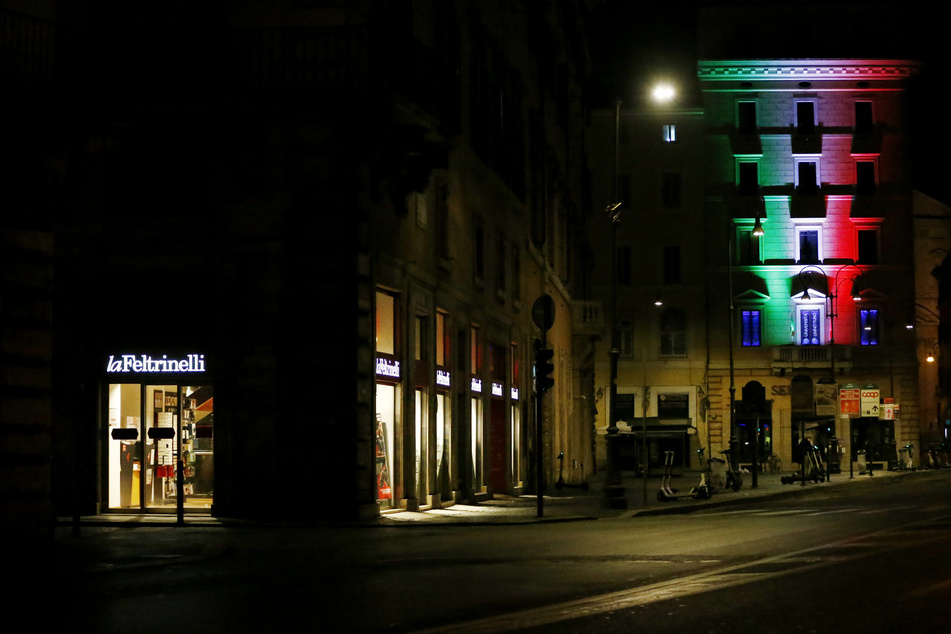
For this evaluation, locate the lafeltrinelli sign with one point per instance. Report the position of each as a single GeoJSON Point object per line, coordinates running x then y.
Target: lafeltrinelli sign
{"type": "Point", "coordinates": [191, 363]}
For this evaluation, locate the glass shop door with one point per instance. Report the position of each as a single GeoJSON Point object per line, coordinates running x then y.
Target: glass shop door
{"type": "Point", "coordinates": [151, 427]}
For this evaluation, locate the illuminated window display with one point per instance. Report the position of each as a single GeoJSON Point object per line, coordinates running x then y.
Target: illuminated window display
{"type": "Point", "coordinates": [151, 428]}
{"type": "Point", "coordinates": [388, 394]}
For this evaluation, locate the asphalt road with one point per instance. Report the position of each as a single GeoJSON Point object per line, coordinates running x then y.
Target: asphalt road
{"type": "Point", "coordinates": [874, 557]}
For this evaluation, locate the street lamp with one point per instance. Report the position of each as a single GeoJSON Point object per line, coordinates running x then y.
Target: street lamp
{"type": "Point", "coordinates": [613, 489]}
{"type": "Point", "coordinates": [852, 273]}
{"type": "Point", "coordinates": [663, 93]}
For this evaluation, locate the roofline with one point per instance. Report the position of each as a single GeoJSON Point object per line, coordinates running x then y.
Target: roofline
{"type": "Point", "coordinates": [813, 69]}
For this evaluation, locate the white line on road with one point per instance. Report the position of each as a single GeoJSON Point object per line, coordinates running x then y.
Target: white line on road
{"type": "Point", "coordinates": [682, 587]}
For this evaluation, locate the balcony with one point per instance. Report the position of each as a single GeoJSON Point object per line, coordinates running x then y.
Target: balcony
{"type": "Point", "coordinates": [587, 318]}
{"type": "Point", "coordinates": [811, 357]}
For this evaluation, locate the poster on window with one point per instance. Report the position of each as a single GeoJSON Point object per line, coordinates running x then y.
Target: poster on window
{"type": "Point", "coordinates": [809, 327]}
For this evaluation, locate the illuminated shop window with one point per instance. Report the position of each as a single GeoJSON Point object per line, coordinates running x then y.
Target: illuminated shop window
{"type": "Point", "coordinates": [750, 324]}
{"type": "Point", "coordinates": [869, 325]}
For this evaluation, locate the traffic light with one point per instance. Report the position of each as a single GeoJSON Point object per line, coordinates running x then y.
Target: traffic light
{"type": "Point", "coordinates": [543, 369]}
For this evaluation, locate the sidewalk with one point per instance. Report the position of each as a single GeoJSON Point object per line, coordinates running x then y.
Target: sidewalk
{"type": "Point", "coordinates": [571, 504]}
{"type": "Point", "coordinates": [558, 505]}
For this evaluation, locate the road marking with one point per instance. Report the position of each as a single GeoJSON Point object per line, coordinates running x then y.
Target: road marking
{"type": "Point", "coordinates": [730, 576]}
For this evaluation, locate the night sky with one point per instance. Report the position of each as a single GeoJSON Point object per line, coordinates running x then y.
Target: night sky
{"type": "Point", "coordinates": [634, 43]}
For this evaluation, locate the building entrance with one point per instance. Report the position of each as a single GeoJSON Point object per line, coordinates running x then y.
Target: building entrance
{"type": "Point", "coordinates": [149, 430]}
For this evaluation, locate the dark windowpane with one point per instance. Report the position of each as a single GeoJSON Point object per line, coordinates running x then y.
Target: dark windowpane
{"type": "Point", "coordinates": [624, 265]}
{"type": "Point", "coordinates": [673, 335]}
{"type": "Point", "coordinates": [807, 178]}
{"type": "Point", "coordinates": [809, 247]}
{"type": "Point", "coordinates": [868, 246]}
{"type": "Point", "coordinates": [865, 177]}
{"type": "Point", "coordinates": [671, 265]}
{"type": "Point", "coordinates": [749, 178]}
{"type": "Point", "coordinates": [746, 117]}
{"type": "Point", "coordinates": [805, 117]}
{"type": "Point", "coordinates": [863, 117]}
{"type": "Point", "coordinates": [748, 248]}
{"type": "Point", "coordinates": [670, 190]}
{"type": "Point", "coordinates": [869, 324]}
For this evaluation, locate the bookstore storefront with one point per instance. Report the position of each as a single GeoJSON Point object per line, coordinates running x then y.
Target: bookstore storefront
{"type": "Point", "coordinates": [158, 441]}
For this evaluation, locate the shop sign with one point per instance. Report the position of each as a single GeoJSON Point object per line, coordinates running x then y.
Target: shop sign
{"type": "Point", "coordinates": [476, 385]}
{"type": "Point", "coordinates": [497, 389]}
{"type": "Point", "coordinates": [673, 405]}
{"type": "Point", "coordinates": [129, 363]}
{"type": "Point", "coordinates": [850, 398]}
{"type": "Point", "coordinates": [442, 378]}
{"type": "Point", "coordinates": [871, 399]}
{"type": "Point", "coordinates": [389, 368]}
{"type": "Point", "coordinates": [514, 393]}
{"type": "Point", "coordinates": [890, 411]}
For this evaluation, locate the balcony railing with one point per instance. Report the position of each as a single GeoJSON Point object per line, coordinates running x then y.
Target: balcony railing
{"type": "Point", "coordinates": [810, 356]}
{"type": "Point", "coordinates": [587, 318]}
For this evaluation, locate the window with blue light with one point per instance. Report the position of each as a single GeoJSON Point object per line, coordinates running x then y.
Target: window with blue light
{"type": "Point", "coordinates": [751, 328]}
{"type": "Point", "coordinates": [869, 324]}
{"type": "Point", "coordinates": [809, 332]}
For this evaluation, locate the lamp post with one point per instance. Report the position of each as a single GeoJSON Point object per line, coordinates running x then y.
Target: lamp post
{"type": "Point", "coordinates": [613, 488]}
{"type": "Point", "coordinates": [854, 272]}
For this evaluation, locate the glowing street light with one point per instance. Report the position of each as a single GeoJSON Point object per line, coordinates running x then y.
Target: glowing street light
{"type": "Point", "coordinates": [663, 93]}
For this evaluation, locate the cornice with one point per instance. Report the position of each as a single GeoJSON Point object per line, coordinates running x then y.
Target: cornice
{"type": "Point", "coordinates": [812, 69]}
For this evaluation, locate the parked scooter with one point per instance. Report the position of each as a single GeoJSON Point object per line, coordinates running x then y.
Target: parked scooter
{"type": "Point", "coordinates": [561, 484]}
{"type": "Point", "coordinates": [812, 463]}
{"type": "Point", "coordinates": [906, 461]}
{"type": "Point", "coordinates": [666, 493]}
{"type": "Point", "coordinates": [734, 480]}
